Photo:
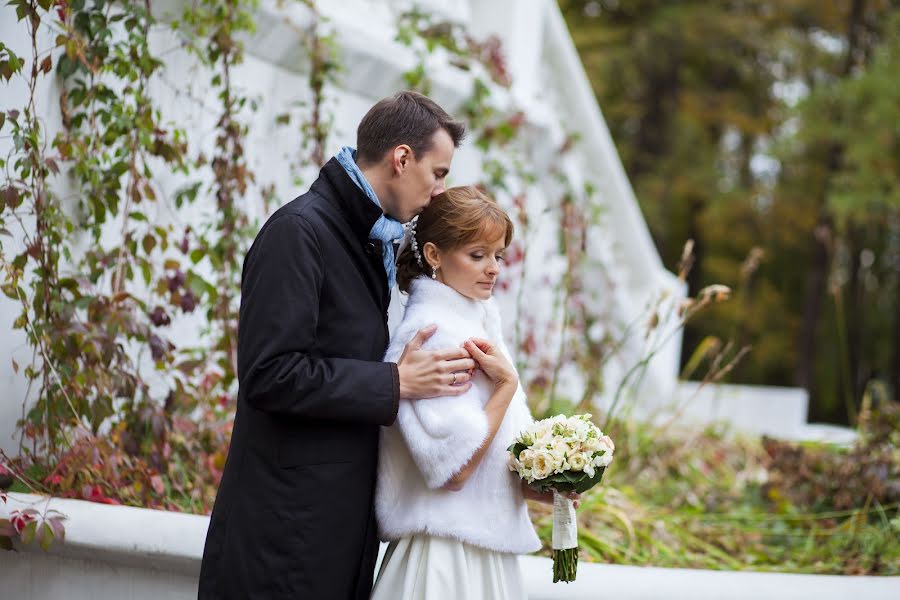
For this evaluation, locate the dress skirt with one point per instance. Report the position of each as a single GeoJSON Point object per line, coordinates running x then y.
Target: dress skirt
{"type": "Point", "coordinates": [423, 567]}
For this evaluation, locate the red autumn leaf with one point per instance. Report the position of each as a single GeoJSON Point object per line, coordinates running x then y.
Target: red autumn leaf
{"type": "Point", "coordinates": [20, 520]}
{"type": "Point", "coordinates": [97, 495]}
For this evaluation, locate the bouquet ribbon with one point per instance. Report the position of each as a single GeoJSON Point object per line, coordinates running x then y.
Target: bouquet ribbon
{"type": "Point", "coordinates": [565, 528]}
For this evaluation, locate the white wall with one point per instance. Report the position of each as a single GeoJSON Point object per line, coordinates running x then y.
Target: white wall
{"type": "Point", "coordinates": [761, 410]}
{"type": "Point", "coordinates": [550, 86]}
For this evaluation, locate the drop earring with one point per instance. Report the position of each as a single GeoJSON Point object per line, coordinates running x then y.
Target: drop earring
{"type": "Point", "coordinates": [434, 272]}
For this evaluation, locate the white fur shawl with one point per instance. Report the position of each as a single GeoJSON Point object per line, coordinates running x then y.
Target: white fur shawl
{"type": "Point", "coordinates": [433, 439]}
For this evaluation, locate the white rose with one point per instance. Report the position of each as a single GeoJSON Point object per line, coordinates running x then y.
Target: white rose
{"type": "Point", "coordinates": [602, 460]}
{"type": "Point", "coordinates": [589, 469]}
{"type": "Point", "coordinates": [559, 449]}
{"type": "Point", "coordinates": [513, 463]}
{"type": "Point", "coordinates": [607, 443]}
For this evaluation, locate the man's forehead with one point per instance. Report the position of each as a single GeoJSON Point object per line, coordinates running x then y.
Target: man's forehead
{"type": "Point", "coordinates": [442, 148]}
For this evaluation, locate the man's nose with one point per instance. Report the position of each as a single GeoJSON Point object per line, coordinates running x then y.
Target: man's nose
{"type": "Point", "coordinates": [438, 189]}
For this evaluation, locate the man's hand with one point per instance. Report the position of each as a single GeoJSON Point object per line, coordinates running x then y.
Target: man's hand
{"type": "Point", "coordinates": [432, 373]}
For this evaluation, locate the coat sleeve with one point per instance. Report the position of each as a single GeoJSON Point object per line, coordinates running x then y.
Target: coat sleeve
{"type": "Point", "coordinates": [277, 331]}
{"type": "Point", "coordinates": [442, 433]}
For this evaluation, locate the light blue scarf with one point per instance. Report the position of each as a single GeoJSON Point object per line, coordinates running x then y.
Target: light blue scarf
{"type": "Point", "coordinates": [385, 228]}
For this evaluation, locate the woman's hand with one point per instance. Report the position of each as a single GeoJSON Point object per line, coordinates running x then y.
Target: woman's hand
{"type": "Point", "coordinates": [491, 360]}
{"type": "Point", "coordinates": [547, 497]}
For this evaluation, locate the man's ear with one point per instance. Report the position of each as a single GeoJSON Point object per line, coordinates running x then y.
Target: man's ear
{"type": "Point", "coordinates": [401, 158]}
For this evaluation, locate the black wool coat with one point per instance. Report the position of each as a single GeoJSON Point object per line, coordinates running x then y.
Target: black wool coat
{"type": "Point", "coordinates": [294, 514]}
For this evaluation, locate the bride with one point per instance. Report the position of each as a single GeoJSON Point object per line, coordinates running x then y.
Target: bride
{"type": "Point", "coordinates": [454, 514]}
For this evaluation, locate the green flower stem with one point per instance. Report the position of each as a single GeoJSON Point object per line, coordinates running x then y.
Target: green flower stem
{"type": "Point", "coordinates": [565, 564]}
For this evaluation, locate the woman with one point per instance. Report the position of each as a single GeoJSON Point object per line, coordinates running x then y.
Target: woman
{"type": "Point", "coordinates": [453, 512]}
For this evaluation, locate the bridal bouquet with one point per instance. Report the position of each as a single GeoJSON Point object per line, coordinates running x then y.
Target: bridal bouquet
{"type": "Point", "coordinates": [562, 454]}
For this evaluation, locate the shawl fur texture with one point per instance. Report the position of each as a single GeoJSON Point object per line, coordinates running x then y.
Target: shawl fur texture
{"type": "Point", "coordinates": [434, 438]}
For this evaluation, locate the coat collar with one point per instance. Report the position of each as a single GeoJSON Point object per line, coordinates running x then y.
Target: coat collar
{"type": "Point", "coordinates": [335, 185]}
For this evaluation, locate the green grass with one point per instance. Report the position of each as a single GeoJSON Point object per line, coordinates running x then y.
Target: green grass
{"type": "Point", "coordinates": [708, 501]}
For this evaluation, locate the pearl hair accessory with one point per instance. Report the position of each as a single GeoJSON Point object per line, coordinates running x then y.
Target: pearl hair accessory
{"type": "Point", "coordinates": [412, 240]}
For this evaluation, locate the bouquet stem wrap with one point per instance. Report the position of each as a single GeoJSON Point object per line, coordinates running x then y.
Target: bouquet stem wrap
{"type": "Point", "coordinates": [565, 539]}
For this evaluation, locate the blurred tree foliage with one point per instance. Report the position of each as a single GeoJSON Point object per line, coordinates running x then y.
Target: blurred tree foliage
{"type": "Point", "coordinates": [769, 132]}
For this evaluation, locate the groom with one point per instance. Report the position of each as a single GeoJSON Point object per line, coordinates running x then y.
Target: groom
{"type": "Point", "coordinates": [294, 515]}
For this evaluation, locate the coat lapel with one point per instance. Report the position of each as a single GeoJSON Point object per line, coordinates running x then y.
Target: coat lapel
{"type": "Point", "coordinates": [360, 214]}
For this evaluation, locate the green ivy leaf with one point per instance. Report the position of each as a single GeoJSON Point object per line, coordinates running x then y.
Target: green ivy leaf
{"type": "Point", "coordinates": [46, 535]}
{"type": "Point", "coordinates": [197, 255]}
{"type": "Point", "coordinates": [20, 261]}
{"type": "Point", "coordinates": [66, 66]}
{"type": "Point", "coordinates": [29, 532]}
{"type": "Point", "coordinates": [148, 243]}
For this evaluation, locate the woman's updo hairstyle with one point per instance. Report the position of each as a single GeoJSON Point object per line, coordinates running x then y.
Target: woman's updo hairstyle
{"type": "Point", "coordinates": [454, 218]}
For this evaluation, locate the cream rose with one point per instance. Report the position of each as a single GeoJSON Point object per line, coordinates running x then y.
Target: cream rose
{"type": "Point", "coordinates": [592, 444]}
{"type": "Point", "coordinates": [543, 465]}
{"type": "Point", "coordinates": [577, 462]}
{"type": "Point", "coordinates": [527, 457]}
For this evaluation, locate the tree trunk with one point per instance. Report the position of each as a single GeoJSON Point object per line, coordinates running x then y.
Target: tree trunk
{"type": "Point", "coordinates": [895, 359]}
{"type": "Point", "coordinates": [854, 312]}
{"type": "Point", "coordinates": [823, 234]}
{"type": "Point", "coordinates": [812, 306]}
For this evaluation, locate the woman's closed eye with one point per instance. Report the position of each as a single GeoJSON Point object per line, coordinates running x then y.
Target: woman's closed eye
{"type": "Point", "coordinates": [476, 256]}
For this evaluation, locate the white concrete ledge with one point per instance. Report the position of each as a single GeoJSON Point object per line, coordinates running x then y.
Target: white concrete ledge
{"type": "Point", "coordinates": [651, 583]}
{"type": "Point", "coordinates": [121, 535]}
{"type": "Point", "coordinates": [136, 553]}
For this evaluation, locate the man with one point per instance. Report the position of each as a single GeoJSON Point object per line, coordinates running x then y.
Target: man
{"type": "Point", "coordinates": [294, 514]}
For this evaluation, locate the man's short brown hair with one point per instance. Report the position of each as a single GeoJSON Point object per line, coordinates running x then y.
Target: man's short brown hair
{"type": "Point", "coordinates": [404, 118]}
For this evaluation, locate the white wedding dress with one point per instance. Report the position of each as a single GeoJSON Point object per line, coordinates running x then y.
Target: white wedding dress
{"type": "Point", "coordinates": [426, 567]}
